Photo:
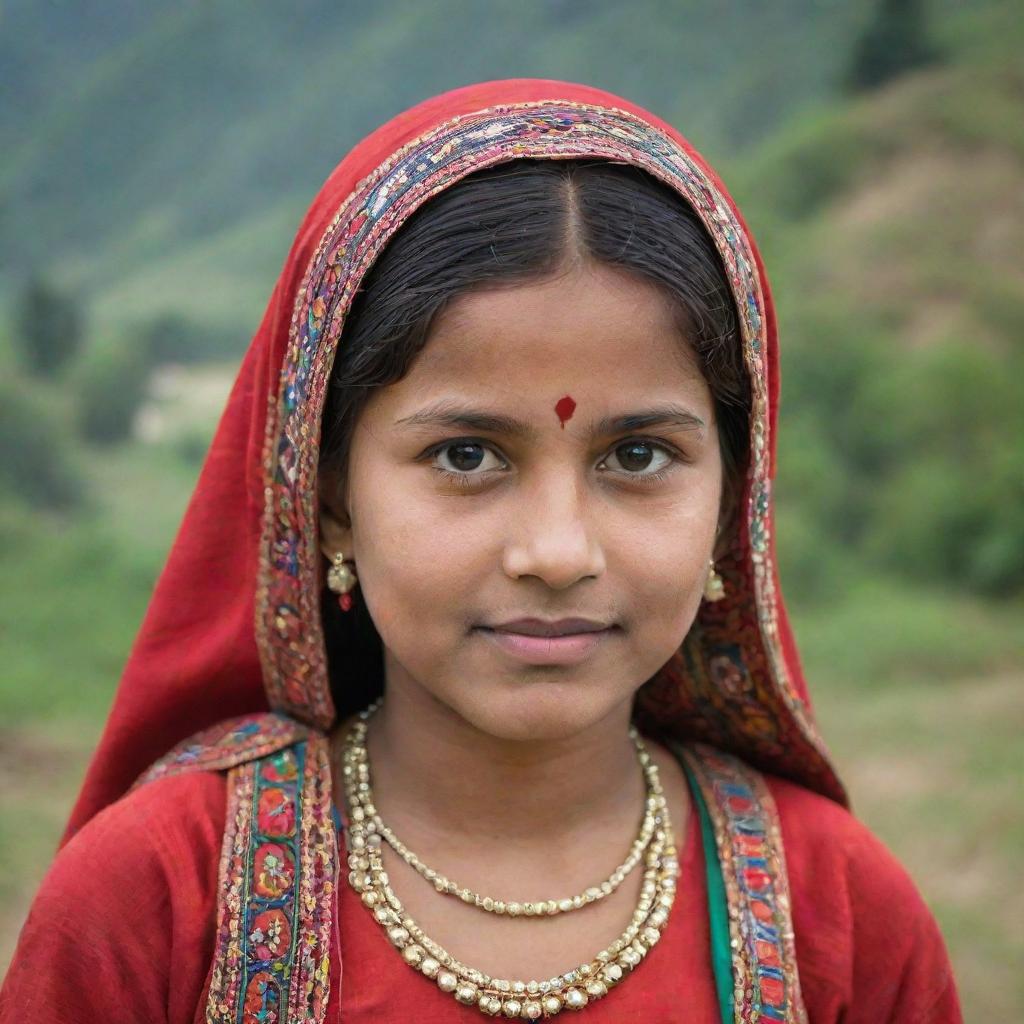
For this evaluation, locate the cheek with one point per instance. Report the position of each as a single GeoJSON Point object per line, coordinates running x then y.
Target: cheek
{"type": "Point", "coordinates": [391, 556]}
{"type": "Point", "coordinates": [665, 561]}
{"type": "Point", "coordinates": [413, 563]}
{"type": "Point", "coordinates": [668, 582]}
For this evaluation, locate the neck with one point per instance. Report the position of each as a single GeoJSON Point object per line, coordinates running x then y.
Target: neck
{"type": "Point", "coordinates": [433, 769]}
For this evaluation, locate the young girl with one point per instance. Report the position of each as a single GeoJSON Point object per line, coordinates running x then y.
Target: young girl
{"type": "Point", "coordinates": [468, 683]}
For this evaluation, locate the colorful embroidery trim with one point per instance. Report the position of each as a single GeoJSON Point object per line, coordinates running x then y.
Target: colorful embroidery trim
{"type": "Point", "coordinates": [227, 744]}
{"type": "Point", "coordinates": [277, 881]}
{"type": "Point", "coordinates": [288, 615]}
{"type": "Point", "coordinates": [766, 987]}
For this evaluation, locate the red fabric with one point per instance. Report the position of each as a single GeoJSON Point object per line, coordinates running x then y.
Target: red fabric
{"type": "Point", "coordinates": [196, 660]}
{"type": "Point", "coordinates": [122, 930]}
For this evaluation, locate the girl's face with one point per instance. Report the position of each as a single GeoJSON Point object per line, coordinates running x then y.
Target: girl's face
{"type": "Point", "coordinates": [531, 509]}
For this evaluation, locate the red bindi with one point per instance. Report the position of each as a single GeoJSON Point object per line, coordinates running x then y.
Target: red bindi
{"type": "Point", "coordinates": [564, 408]}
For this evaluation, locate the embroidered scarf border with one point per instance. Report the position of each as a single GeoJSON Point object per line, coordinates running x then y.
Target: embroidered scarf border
{"type": "Point", "coordinates": [736, 641]}
{"type": "Point", "coordinates": [278, 868]}
{"type": "Point", "coordinates": [748, 837]}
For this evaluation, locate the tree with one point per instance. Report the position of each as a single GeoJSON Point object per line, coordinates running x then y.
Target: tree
{"type": "Point", "coordinates": [168, 339]}
{"type": "Point", "coordinates": [37, 467]}
{"type": "Point", "coordinates": [48, 328]}
{"type": "Point", "coordinates": [894, 41]}
{"type": "Point", "coordinates": [111, 382]}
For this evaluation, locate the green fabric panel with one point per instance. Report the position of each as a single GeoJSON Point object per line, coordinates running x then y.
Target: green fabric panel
{"type": "Point", "coordinates": [721, 951]}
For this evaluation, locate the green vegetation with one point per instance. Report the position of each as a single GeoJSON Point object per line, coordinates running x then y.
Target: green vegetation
{"type": "Point", "coordinates": [111, 385]}
{"type": "Point", "coordinates": [901, 319]}
{"type": "Point", "coordinates": [894, 42]}
{"type": "Point", "coordinates": [891, 222]}
{"type": "Point", "coordinates": [48, 328]}
{"type": "Point", "coordinates": [37, 460]}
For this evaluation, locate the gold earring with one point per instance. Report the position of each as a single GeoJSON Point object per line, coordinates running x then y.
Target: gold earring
{"type": "Point", "coordinates": [341, 580]}
{"type": "Point", "coordinates": [714, 588]}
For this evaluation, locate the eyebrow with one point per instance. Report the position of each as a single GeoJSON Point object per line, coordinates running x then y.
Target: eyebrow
{"type": "Point", "coordinates": [659, 416]}
{"type": "Point", "coordinates": [452, 414]}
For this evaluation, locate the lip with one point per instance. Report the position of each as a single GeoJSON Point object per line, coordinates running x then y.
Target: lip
{"type": "Point", "coordinates": [551, 627]}
{"type": "Point", "coordinates": [549, 642]}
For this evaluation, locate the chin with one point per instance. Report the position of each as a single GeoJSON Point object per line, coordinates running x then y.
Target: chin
{"type": "Point", "coordinates": [541, 710]}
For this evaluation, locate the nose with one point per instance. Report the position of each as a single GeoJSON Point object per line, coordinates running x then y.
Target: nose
{"type": "Point", "coordinates": [553, 537]}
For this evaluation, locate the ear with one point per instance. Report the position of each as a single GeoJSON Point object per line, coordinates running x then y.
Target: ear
{"type": "Point", "coordinates": [335, 525]}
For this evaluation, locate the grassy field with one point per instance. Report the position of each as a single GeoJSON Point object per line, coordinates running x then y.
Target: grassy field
{"type": "Point", "coordinates": [920, 694]}
{"type": "Point", "coordinates": [921, 699]}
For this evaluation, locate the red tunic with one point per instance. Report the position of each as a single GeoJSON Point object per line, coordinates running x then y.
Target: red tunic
{"type": "Point", "coordinates": [122, 929]}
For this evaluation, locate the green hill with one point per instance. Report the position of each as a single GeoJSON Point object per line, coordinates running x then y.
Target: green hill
{"type": "Point", "coordinates": [892, 226]}
{"type": "Point", "coordinates": [191, 140]}
{"type": "Point", "coordinates": [890, 221]}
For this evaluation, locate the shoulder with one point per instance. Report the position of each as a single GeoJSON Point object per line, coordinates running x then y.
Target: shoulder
{"type": "Point", "coordinates": [129, 899]}
{"type": "Point", "coordinates": [814, 826]}
{"type": "Point", "coordinates": [866, 940]}
{"type": "Point", "coordinates": [158, 810]}
{"type": "Point", "coordinates": [162, 828]}
{"type": "Point", "coordinates": [832, 855]}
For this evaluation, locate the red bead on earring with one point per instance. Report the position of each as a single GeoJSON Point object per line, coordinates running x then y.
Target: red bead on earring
{"type": "Point", "coordinates": [342, 580]}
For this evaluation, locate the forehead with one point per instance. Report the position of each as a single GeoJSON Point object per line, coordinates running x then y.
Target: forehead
{"type": "Point", "coordinates": [585, 330]}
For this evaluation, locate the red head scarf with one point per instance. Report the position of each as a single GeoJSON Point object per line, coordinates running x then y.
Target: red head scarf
{"type": "Point", "coordinates": [234, 624]}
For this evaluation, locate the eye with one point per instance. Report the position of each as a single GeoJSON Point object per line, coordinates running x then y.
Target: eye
{"type": "Point", "coordinates": [638, 458]}
{"type": "Point", "coordinates": [466, 457]}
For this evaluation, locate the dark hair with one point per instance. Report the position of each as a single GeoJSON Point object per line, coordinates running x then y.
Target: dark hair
{"type": "Point", "coordinates": [516, 222]}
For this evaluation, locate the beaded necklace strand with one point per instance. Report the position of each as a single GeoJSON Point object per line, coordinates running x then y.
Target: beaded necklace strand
{"type": "Point", "coordinates": [528, 1000]}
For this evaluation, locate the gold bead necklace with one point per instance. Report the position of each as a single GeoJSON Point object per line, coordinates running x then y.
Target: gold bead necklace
{"type": "Point", "coordinates": [534, 908]}
{"type": "Point", "coordinates": [528, 1000]}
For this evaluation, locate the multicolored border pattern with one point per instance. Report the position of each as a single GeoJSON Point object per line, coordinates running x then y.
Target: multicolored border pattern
{"type": "Point", "coordinates": [736, 641]}
{"type": "Point", "coordinates": [277, 882]}
{"type": "Point", "coordinates": [278, 868]}
{"type": "Point", "coordinates": [766, 986]}
{"type": "Point", "coordinates": [226, 744]}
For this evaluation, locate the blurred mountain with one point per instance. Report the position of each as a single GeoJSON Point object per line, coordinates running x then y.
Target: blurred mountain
{"type": "Point", "coordinates": [157, 158]}
{"type": "Point", "coordinates": [162, 154]}
{"type": "Point", "coordinates": [907, 201]}
{"type": "Point", "coordinates": [892, 225]}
